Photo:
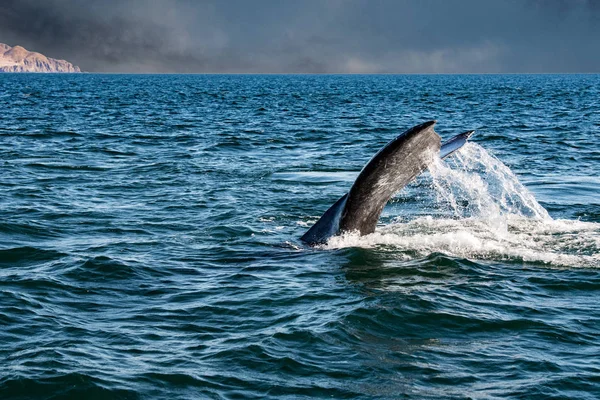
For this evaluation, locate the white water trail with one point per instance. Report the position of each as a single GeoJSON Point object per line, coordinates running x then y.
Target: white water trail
{"type": "Point", "coordinates": [486, 213]}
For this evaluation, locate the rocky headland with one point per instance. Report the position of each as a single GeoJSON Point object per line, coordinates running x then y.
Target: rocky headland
{"type": "Point", "coordinates": [18, 59]}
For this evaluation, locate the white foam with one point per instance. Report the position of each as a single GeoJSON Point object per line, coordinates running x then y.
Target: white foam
{"type": "Point", "coordinates": [556, 242]}
{"type": "Point", "coordinates": [486, 214]}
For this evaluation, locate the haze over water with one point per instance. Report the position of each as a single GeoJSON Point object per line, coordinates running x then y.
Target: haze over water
{"type": "Point", "coordinates": [149, 238]}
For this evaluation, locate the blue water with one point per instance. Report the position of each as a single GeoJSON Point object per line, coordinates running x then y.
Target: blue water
{"type": "Point", "coordinates": [149, 239]}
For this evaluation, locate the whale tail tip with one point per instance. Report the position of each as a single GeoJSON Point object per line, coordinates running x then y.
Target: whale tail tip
{"type": "Point", "coordinates": [394, 166]}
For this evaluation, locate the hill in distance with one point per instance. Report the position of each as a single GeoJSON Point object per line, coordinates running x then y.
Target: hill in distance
{"type": "Point", "coordinates": [18, 59]}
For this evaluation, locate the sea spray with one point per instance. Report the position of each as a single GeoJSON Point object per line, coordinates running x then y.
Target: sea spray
{"type": "Point", "coordinates": [476, 184]}
{"type": "Point", "coordinates": [482, 211]}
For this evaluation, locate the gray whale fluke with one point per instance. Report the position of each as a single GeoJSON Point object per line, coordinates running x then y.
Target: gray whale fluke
{"type": "Point", "coordinates": [392, 168]}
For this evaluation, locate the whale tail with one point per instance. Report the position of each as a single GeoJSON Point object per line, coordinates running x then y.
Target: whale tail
{"type": "Point", "coordinates": [393, 167]}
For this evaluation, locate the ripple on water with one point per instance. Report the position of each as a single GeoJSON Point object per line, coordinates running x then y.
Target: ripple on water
{"type": "Point", "coordinates": [149, 239]}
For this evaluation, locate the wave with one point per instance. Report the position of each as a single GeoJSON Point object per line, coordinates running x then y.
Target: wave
{"type": "Point", "coordinates": [67, 386]}
{"type": "Point", "coordinates": [27, 255]}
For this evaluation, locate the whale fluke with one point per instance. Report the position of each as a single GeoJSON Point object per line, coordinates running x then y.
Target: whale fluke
{"type": "Point", "coordinates": [392, 168]}
{"type": "Point", "coordinates": [454, 143]}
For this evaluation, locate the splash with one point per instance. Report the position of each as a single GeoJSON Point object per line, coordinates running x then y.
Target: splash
{"type": "Point", "coordinates": [483, 212]}
{"type": "Point", "coordinates": [474, 183]}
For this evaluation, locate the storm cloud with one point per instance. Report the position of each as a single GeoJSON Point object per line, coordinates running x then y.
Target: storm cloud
{"type": "Point", "coordinates": [328, 36]}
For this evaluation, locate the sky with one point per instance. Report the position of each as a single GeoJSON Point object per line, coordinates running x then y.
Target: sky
{"type": "Point", "coordinates": [310, 36]}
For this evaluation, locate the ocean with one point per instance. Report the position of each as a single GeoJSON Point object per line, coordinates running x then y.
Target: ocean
{"type": "Point", "coordinates": [150, 225]}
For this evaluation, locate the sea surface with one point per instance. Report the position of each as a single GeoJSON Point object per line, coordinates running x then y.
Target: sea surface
{"type": "Point", "coordinates": [150, 224]}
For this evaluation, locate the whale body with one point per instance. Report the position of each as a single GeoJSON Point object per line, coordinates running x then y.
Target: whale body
{"type": "Point", "coordinates": [392, 168]}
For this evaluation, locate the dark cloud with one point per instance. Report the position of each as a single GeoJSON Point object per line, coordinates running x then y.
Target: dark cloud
{"type": "Point", "coordinates": [326, 36]}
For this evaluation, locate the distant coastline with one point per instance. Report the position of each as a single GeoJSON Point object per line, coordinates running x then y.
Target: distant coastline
{"type": "Point", "coordinates": [19, 59]}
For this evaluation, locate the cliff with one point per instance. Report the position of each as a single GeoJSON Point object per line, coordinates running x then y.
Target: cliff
{"type": "Point", "coordinates": [18, 59]}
